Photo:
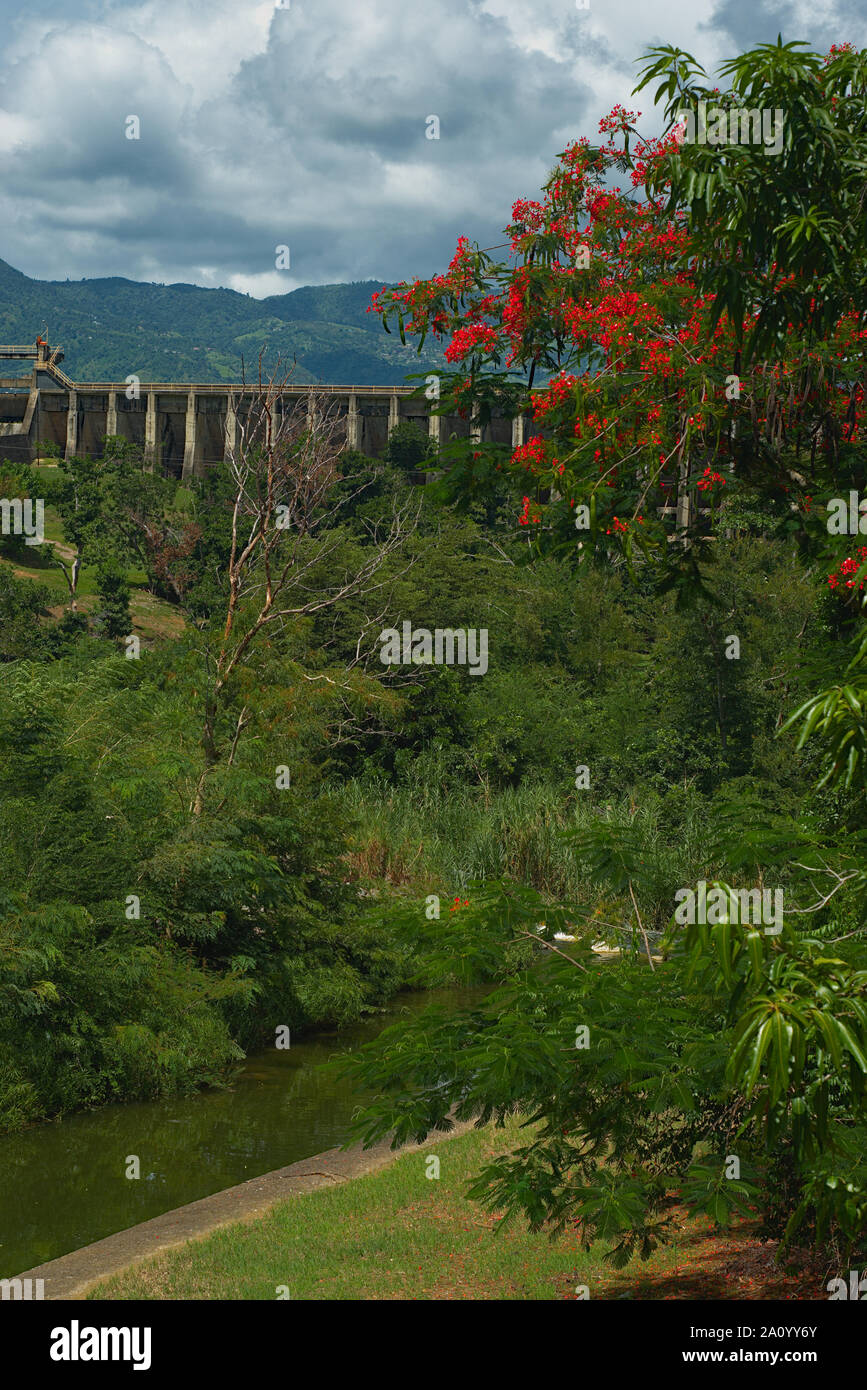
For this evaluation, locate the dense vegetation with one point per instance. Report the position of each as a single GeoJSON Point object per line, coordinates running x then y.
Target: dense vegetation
{"type": "Point", "coordinates": [253, 823]}
{"type": "Point", "coordinates": [252, 917]}
{"type": "Point", "coordinates": [706, 344]}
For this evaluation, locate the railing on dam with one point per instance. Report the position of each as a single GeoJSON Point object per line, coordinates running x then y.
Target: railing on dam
{"type": "Point", "coordinates": [45, 359]}
{"type": "Point", "coordinates": [222, 388]}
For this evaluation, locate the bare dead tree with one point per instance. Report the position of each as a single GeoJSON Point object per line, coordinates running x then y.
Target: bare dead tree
{"type": "Point", "coordinates": [284, 463]}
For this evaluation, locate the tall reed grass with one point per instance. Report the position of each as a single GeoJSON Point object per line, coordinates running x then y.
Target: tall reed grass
{"type": "Point", "coordinates": [415, 837]}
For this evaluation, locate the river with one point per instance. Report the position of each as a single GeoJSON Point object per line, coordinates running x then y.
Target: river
{"type": "Point", "coordinates": [64, 1184]}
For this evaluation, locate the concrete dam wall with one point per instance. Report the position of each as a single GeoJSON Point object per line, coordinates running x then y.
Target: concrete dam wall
{"type": "Point", "coordinates": [182, 428]}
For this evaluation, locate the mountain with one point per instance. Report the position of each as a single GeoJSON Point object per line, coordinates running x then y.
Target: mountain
{"type": "Point", "coordinates": [113, 327]}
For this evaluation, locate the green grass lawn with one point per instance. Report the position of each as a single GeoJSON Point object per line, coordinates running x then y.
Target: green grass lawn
{"type": "Point", "coordinates": [390, 1234]}
{"type": "Point", "coordinates": [396, 1234]}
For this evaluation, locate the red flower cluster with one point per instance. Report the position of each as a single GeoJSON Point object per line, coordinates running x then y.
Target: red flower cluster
{"type": "Point", "coordinates": [557, 394]}
{"type": "Point", "coordinates": [708, 479]}
{"type": "Point", "coordinates": [525, 519]}
{"type": "Point", "coordinates": [470, 339]}
{"type": "Point", "coordinates": [847, 568]}
{"type": "Point", "coordinates": [532, 455]}
{"type": "Point", "coordinates": [618, 119]}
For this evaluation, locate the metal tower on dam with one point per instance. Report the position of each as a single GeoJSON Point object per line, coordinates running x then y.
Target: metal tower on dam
{"type": "Point", "coordinates": [183, 428]}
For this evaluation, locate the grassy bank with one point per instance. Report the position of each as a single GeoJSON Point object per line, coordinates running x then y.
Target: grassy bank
{"type": "Point", "coordinates": [396, 1234]}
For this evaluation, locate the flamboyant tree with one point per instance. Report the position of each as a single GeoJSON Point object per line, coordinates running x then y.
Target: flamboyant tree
{"type": "Point", "coordinates": [607, 329]}
{"type": "Point", "coordinates": [680, 325]}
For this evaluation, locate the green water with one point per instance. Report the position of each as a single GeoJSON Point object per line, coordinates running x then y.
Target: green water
{"type": "Point", "coordinates": [63, 1185]}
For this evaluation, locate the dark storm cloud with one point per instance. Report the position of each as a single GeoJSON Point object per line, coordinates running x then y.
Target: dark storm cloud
{"type": "Point", "coordinates": [747, 22]}
{"type": "Point", "coordinates": [304, 125]}
{"type": "Point", "coordinates": [318, 141]}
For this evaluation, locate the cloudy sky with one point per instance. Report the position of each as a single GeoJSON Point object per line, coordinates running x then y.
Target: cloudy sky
{"type": "Point", "coordinates": [302, 124]}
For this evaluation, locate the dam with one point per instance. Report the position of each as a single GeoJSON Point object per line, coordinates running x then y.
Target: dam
{"type": "Point", "coordinates": [184, 428]}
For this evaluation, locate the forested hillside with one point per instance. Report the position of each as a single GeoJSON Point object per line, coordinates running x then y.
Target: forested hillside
{"type": "Point", "coordinates": [109, 328]}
